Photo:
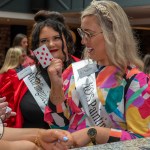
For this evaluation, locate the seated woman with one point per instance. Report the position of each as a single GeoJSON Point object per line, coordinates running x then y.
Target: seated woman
{"type": "Point", "coordinates": [32, 92]}
{"type": "Point", "coordinates": [107, 98]}
{"type": "Point", "coordinates": [22, 40]}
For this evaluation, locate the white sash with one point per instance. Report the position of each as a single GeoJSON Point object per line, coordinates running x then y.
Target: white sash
{"type": "Point", "coordinates": [87, 91]}
{"type": "Point", "coordinates": [40, 91]}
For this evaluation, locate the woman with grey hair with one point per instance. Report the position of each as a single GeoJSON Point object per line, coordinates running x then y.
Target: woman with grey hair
{"type": "Point", "coordinates": [107, 98]}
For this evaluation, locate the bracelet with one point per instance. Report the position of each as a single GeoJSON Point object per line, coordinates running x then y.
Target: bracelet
{"type": "Point", "coordinates": [37, 140]}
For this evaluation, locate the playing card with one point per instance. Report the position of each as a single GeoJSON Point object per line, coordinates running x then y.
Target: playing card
{"type": "Point", "coordinates": [43, 55]}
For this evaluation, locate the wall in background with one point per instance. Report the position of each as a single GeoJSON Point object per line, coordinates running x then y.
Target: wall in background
{"type": "Point", "coordinates": [30, 6]}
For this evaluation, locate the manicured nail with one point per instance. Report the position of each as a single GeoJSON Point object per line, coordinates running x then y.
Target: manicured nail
{"type": "Point", "coordinates": [65, 138]}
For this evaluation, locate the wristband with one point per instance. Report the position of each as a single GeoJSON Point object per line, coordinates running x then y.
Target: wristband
{"type": "Point", "coordinates": [37, 140]}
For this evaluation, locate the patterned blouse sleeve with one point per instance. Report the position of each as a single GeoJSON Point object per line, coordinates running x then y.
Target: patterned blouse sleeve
{"type": "Point", "coordinates": [137, 108]}
{"type": "Point", "coordinates": [57, 116]}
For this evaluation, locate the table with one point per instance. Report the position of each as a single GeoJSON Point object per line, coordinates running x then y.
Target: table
{"type": "Point", "coordinates": [137, 144]}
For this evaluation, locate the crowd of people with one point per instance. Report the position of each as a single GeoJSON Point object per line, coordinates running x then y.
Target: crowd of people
{"type": "Point", "coordinates": [105, 97]}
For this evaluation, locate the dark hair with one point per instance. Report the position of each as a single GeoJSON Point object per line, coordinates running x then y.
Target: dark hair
{"type": "Point", "coordinates": [58, 27]}
{"type": "Point", "coordinates": [18, 38]}
{"type": "Point", "coordinates": [42, 15]}
{"type": "Point", "coordinates": [147, 63]}
{"type": "Point", "coordinates": [43, 19]}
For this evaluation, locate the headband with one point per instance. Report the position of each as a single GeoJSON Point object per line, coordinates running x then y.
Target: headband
{"type": "Point", "coordinates": [101, 8]}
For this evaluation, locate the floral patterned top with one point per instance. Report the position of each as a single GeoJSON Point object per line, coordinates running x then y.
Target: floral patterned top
{"type": "Point", "coordinates": [127, 103]}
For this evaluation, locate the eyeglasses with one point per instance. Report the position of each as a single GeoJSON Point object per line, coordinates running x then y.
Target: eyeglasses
{"type": "Point", "coordinates": [87, 35]}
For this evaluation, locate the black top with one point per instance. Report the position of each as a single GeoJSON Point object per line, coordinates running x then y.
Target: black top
{"type": "Point", "coordinates": [31, 112]}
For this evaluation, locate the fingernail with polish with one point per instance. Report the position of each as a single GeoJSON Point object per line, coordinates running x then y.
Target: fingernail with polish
{"type": "Point", "coordinates": [65, 138]}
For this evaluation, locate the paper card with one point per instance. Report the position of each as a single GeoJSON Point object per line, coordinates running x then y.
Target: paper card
{"type": "Point", "coordinates": [43, 55]}
{"type": "Point", "coordinates": [87, 70]}
{"type": "Point", "coordinates": [23, 73]}
{"type": "Point", "coordinates": [8, 109]}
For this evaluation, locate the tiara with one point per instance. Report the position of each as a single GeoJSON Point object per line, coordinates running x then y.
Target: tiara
{"type": "Point", "coordinates": [101, 8]}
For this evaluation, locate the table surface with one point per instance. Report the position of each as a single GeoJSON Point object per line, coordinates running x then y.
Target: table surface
{"type": "Point", "coordinates": [137, 144]}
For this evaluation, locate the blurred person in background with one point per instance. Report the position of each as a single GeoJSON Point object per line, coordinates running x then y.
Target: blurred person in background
{"type": "Point", "coordinates": [12, 65]}
{"type": "Point", "coordinates": [146, 61]}
{"type": "Point", "coordinates": [14, 58]}
{"type": "Point", "coordinates": [22, 40]}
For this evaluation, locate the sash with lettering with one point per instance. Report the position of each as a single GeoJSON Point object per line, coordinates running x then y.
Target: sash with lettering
{"type": "Point", "coordinates": [85, 82]}
{"type": "Point", "coordinates": [40, 90]}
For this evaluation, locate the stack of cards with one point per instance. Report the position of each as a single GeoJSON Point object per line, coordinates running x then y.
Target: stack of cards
{"type": "Point", "coordinates": [43, 55]}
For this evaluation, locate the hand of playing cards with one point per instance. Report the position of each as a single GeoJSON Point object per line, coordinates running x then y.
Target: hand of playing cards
{"type": "Point", "coordinates": [43, 55]}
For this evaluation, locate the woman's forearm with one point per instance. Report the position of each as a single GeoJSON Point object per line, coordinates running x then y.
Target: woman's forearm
{"type": "Point", "coordinates": [14, 134]}
{"type": "Point", "coordinates": [101, 137]}
{"type": "Point", "coordinates": [17, 145]}
{"type": "Point", "coordinates": [57, 95]}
